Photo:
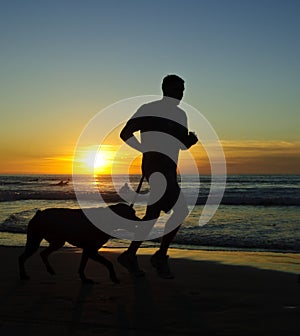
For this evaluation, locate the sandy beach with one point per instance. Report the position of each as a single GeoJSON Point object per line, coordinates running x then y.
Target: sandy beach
{"type": "Point", "coordinates": [213, 293]}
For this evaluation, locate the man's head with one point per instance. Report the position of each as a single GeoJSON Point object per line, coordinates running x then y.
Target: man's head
{"type": "Point", "coordinates": [173, 86]}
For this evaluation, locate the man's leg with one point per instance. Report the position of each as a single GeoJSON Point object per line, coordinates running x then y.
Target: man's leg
{"type": "Point", "coordinates": [180, 212]}
{"type": "Point", "coordinates": [152, 214]}
{"type": "Point", "coordinates": [160, 259]}
{"type": "Point", "coordinates": [128, 259]}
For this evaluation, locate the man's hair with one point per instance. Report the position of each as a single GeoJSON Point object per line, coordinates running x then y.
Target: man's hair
{"type": "Point", "coordinates": [171, 82]}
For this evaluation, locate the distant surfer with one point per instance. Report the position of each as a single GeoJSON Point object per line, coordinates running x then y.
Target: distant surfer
{"type": "Point", "coordinates": [62, 183]}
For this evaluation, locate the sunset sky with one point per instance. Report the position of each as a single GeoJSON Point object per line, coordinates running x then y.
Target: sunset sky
{"type": "Point", "coordinates": [61, 62]}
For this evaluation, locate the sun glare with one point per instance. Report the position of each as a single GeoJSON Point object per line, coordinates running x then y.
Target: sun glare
{"type": "Point", "coordinates": [94, 161]}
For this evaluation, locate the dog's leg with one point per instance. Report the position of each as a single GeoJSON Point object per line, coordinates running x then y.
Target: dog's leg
{"type": "Point", "coordinates": [53, 246]}
{"type": "Point", "coordinates": [31, 247]}
{"type": "Point", "coordinates": [29, 251]}
{"type": "Point", "coordinates": [83, 262]}
{"type": "Point", "coordinates": [94, 255]}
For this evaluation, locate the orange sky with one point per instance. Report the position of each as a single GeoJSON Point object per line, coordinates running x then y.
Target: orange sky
{"type": "Point", "coordinates": [62, 63]}
{"type": "Point", "coordinates": [243, 157]}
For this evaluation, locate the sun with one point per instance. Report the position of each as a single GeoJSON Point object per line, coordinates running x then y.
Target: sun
{"type": "Point", "coordinates": [94, 161]}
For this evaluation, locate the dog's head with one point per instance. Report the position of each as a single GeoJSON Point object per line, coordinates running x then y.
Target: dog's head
{"type": "Point", "coordinates": [125, 211]}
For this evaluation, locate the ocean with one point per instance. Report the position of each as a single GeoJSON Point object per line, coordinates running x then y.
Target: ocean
{"type": "Point", "coordinates": [257, 212]}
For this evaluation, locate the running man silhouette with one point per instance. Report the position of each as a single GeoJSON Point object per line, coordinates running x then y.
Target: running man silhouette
{"type": "Point", "coordinates": [163, 133]}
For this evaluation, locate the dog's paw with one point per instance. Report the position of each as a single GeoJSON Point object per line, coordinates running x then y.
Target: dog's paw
{"type": "Point", "coordinates": [87, 281]}
{"type": "Point", "coordinates": [51, 271]}
{"type": "Point", "coordinates": [115, 280]}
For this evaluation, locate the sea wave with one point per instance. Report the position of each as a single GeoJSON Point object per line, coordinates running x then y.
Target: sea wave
{"type": "Point", "coordinates": [239, 230]}
{"type": "Point", "coordinates": [229, 198]}
{"type": "Point", "coordinates": [17, 222]}
{"type": "Point", "coordinates": [255, 212]}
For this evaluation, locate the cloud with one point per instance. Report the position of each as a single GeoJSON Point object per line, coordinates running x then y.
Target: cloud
{"type": "Point", "coordinates": [264, 157]}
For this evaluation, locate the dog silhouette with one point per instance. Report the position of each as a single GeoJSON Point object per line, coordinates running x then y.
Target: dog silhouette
{"type": "Point", "coordinates": [60, 225]}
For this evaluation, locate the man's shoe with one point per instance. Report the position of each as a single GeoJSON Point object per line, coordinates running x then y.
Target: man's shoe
{"type": "Point", "coordinates": [160, 262]}
{"type": "Point", "coordinates": [129, 261]}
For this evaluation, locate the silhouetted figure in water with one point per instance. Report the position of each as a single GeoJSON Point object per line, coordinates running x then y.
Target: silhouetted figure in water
{"type": "Point", "coordinates": [163, 128]}
{"type": "Point", "coordinates": [61, 183]}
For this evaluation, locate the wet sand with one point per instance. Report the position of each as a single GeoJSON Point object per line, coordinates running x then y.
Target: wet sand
{"type": "Point", "coordinates": [213, 293]}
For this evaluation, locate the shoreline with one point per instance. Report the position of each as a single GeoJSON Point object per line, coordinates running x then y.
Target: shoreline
{"type": "Point", "coordinates": [116, 243]}
{"type": "Point", "coordinates": [288, 262]}
{"type": "Point", "coordinates": [154, 244]}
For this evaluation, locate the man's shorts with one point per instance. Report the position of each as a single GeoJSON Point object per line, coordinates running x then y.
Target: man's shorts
{"type": "Point", "coordinates": [171, 194]}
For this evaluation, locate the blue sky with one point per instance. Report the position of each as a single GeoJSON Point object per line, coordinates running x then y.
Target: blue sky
{"type": "Point", "coordinates": [62, 61]}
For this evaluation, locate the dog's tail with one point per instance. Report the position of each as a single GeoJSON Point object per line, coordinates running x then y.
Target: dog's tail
{"type": "Point", "coordinates": [33, 229]}
{"type": "Point", "coordinates": [34, 221]}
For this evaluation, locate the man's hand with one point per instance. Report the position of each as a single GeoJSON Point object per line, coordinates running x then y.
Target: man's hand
{"type": "Point", "coordinates": [127, 135]}
{"type": "Point", "coordinates": [192, 138]}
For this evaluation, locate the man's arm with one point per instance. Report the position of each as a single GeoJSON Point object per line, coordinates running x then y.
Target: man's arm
{"type": "Point", "coordinates": [190, 140]}
{"type": "Point", "coordinates": [127, 134]}
{"type": "Point", "coordinates": [180, 131]}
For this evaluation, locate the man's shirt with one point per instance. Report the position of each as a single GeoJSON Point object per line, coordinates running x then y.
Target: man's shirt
{"type": "Point", "coordinates": [163, 129]}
